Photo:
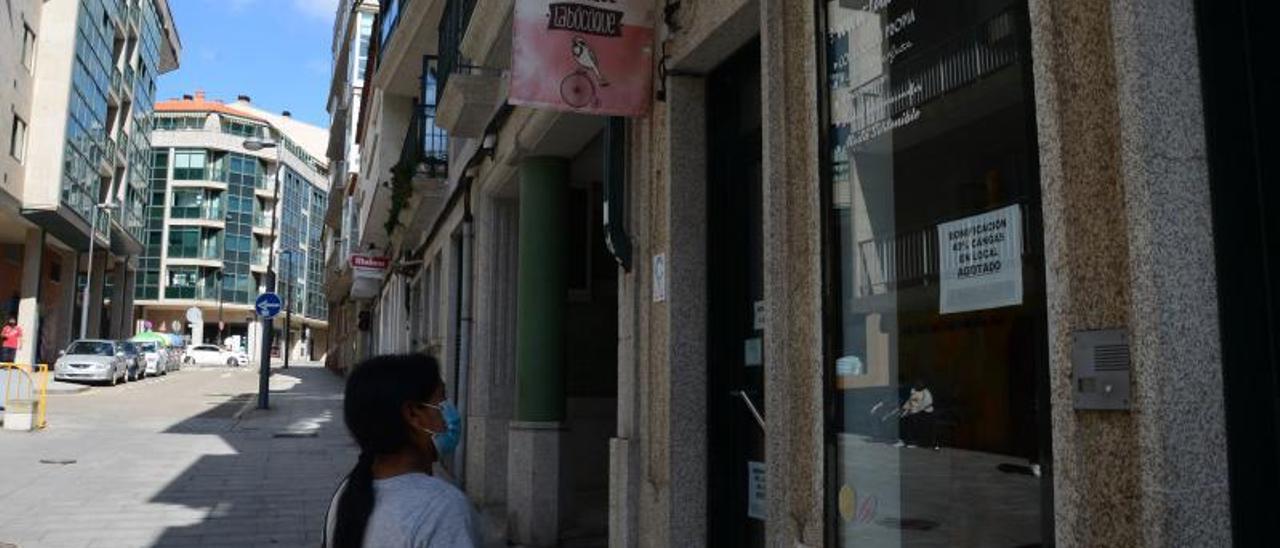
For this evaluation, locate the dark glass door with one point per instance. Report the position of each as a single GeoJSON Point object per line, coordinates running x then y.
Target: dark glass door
{"type": "Point", "coordinates": [735, 291]}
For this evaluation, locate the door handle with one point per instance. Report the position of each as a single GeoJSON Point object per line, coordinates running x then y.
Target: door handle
{"type": "Point", "coordinates": [750, 406]}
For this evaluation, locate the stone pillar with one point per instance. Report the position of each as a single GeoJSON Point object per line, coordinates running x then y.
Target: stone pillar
{"type": "Point", "coordinates": [119, 293]}
{"type": "Point", "coordinates": [792, 275]}
{"type": "Point", "coordinates": [491, 398]}
{"type": "Point", "coordinates": [29, 305]}
{"type": "Point", "coordinates": [68, 326]}
{"type": "Point", "coordinates": [1128, 245]}
{"type": "Point", "coordinates": [96, 286]}
{"type": "Point", "coordinates": [533, 480]}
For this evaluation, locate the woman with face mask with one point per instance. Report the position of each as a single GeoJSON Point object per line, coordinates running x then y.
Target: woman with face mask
{"type": "Point", "coordinates": [396, 410]}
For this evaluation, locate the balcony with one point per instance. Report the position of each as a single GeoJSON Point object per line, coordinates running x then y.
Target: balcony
{"type": "Point", "coordinates": [391, 15]}
{"type": "Point", "coordinates": [116, 12]}
{"type": "Point", "coordinates": [109, 151]}
{"type": "Point", "coordinates": [467, 96]}
{"type": "Point", "coordinates": [127, 83]}
{"type": "Point", "coordinates": [114, 96]}
{"type": "Point", "coordinates": [135, 16]}
{"type": "Point", "coordinates": [104, 161]}
{"type": "Point", "coordinates": [487, 39]}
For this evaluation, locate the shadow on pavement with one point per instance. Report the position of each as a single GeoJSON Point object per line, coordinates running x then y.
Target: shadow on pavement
{"type": "Point", "coordinates": [273, 486]}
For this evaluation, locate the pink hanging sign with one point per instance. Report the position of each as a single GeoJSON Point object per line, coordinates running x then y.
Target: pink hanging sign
{"type": "Point", "coordinates": [588, 56]}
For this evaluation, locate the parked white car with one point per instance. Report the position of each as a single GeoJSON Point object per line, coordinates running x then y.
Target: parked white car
{"type": "Point", "coordinates": [208, 354]}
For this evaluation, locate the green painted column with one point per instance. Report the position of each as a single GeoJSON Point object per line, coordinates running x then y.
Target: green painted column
{"type": "Point", "coordinates": [541, 289]}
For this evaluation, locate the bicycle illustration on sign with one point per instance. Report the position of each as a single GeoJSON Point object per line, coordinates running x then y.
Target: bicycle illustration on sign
{"type": "Point", "coordinates": [578, 88]}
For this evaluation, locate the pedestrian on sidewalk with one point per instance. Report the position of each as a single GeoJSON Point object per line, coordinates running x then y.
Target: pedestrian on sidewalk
{"type": "Point", "coordinates": [11, 335]}
{"type": "Point", "coordinates": [396, 410]}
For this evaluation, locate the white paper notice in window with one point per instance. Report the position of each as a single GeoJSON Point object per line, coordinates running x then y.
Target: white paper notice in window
{"type": "Point", "coordinates": [981, 261]}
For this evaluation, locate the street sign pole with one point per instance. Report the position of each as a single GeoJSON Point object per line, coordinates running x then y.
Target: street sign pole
{"type": "Point", "coordinates": [269, 280]}
{"type": "Point", "coordinates": [267, 306]}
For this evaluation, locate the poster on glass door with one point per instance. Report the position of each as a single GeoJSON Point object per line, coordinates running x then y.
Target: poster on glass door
{"type": "Point", "coordinates": [980, 261]}
{"type": "Point", "coordinates": [588, 56]}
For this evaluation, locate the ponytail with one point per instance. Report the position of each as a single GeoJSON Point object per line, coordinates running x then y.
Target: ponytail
{"type": "Point", "coordinates": [355, 504]}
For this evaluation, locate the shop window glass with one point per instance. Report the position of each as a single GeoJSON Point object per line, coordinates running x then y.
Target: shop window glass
{"type": "Point", "coordinates": [939, 356]}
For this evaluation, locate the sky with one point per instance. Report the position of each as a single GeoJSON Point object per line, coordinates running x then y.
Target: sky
{"type": "Point", "coordinates": [275, 51]}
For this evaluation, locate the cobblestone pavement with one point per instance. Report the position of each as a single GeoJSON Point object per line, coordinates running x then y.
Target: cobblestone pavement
{"type": "Point", "coordinates": [175, 461]}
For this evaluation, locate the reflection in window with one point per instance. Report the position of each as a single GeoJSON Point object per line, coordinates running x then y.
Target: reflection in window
{"type": "Point", "coordinates": [938, 422]}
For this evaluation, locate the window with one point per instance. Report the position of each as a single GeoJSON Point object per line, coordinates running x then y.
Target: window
{"type": "Point", "coordinates": [362, 48]}
{"type": "Point", "coordinates": [28, 48]}
{"type": "Point", "coordinates": [938, 337]}
{"type": "Point", "coordinates": [241, 129]}
{"type": "Point", "coordinates": [18, 139]}
{"type": "Point", "coordinates": [178, 123]}
{"type": "Point", "coordinates": [189, 165]}
{"type": "Point", "coordinates": [55, 272]}
{"type": "Point", "coordinates": [183, 282]}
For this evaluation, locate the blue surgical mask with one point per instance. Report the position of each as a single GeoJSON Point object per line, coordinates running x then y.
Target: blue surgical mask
{"type": "Point", "coordinates": [447, 441]}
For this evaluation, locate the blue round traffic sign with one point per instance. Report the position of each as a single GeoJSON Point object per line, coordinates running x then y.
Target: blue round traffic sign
{"type": "Point", "coordinates": [268, 305]}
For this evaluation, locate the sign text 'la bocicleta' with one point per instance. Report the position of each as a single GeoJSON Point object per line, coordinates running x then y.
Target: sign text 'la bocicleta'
{"type": "Point", "coordinates": [588, 56]}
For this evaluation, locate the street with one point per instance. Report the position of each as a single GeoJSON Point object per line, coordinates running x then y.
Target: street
{"type": "Point", "coordinates": [180, 460]}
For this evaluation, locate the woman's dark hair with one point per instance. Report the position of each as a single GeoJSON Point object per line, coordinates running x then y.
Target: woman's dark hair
{"type": "Point", "coordinates": [375, 396]}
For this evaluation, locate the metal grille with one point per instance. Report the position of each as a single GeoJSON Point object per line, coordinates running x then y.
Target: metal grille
{"type": "Point", "coordinates": [1111, 357]}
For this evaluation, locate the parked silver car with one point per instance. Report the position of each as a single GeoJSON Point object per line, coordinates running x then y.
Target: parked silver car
{"type": "Point", "coordinates": [92, 360]}
{"type": "Point", "coordinates": [156, 357]}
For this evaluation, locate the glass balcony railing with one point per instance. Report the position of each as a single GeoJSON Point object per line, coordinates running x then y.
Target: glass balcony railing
{"type": "Point", "coordinates": [117, 82]}
{"type": "Point", "coordinates": [135, 14]}
{"type": "Point", "coordinates": [109, 149]}
{"type": "Point", "coordinates": [198, 213]}
{"type": "Point", "coordinates": [128, 79]}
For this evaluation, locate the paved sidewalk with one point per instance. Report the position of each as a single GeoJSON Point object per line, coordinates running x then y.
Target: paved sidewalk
{"type": "Point", "coordinates": [179, 461]}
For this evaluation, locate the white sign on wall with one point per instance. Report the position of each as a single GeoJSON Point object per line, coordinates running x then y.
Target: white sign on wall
{"type": "Point", "coordinates": [981, 261]}
{"type": "Point", "coordinates": [660, 278]}
{"type": "Point", "coordinates": [757, 501]}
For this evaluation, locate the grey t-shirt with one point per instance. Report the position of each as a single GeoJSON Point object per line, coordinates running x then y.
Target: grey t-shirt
{"type": "Point", "coordinates": [419, 511]}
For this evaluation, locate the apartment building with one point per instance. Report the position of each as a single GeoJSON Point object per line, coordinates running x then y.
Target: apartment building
{"type": "Point", "coordinates": [74, 170]}
{"type": "Point", "coordinates": [224, 210]}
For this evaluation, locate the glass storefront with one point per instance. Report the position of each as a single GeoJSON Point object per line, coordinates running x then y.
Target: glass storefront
{"type": "Point", "coordinates": [938, 364]}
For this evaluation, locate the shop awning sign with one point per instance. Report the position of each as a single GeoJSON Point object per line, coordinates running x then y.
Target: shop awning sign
{"type": "Point", "coordinates": [367, 272]}
{"type": "Point", "coordinates": [586, 56]}
{"type": "Point", "coordinates": [981, 261]}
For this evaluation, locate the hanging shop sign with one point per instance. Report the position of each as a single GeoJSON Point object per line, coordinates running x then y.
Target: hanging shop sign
{"type": "Point", "coordinates": [587, 56]}
{"type": "Point", "coordinates": [367, 273]}
{"type": "Point", "coordinates": [981, 261]}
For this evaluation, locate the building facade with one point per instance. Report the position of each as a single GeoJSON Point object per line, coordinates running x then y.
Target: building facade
{"type": "Point", "coordinates": [221, 215]}
{"type": "Point", "coordinates": [867, 273]}
{"type": "Point", "coordinates": [353, 33]}
{"type": "Point", "coordinates": [77, 136]}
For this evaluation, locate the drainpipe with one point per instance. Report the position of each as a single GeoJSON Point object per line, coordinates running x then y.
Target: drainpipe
{"type": "Point", "coordinates": [464, 336]}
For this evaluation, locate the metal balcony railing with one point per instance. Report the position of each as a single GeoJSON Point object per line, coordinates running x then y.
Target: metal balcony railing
{"type": "Point", "coordinates": [390, 16]}
{"type": "Point", "coordinates": [453, 26]}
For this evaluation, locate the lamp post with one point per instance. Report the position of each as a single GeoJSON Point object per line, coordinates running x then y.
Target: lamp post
{"type": "Point", "coordinates": [269, 281]}
{"type": "Point", "coordinates": [220, 287]}
{"type": "Point", "coordinates": [288, 305]}
{"type": "Point", "coordinates": [88, 280]}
